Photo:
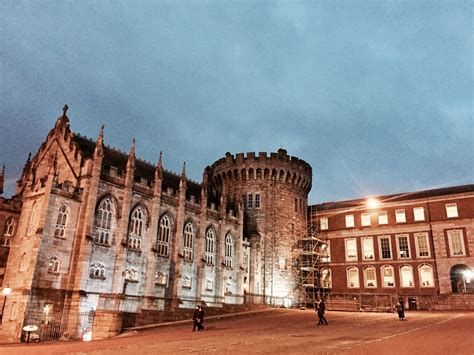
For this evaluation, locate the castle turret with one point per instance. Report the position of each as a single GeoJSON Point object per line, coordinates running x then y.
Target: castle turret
{"type": "Point", "coordinates": [274, 191]}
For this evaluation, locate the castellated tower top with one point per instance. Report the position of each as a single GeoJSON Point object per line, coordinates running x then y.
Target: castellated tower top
{"type": "Point", "coordinates": [277, 166]}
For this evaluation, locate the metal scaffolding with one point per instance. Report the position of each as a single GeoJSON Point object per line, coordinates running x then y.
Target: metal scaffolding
{"type": "Point", "coordinates": [312, 261]}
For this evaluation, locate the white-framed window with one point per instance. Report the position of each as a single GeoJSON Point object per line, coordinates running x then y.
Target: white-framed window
{"type": "Point", "coordinates": [400, 216]}
{"type": "Point", "coordinates": [103, 222]}
{"type": "Point", "coordinates": [163, 240]}
{"type": "Point", "coordinates": [137, 229]}
{"type": "Point", "coordinates": [352, 277]}
{"type": "Point", "coordinates": [349, 220]}
{"type": "Point", "coordinates": [210, 247]}
{"type": "Point", "coordinates": [403, 246]}
{"type": "Point", "coordinates": [383, 217]}
{"type": "Point", "coordinates": [388, 276]}
{"type": "Point", "coordinates": [422, 245]}
{"type": "Point", "coordinates": [249, 201]}
{"type": "Point", "coordinates": [451, 210]}
{"type": "Point", "coordinates": [186, 281]}
{"type": "Point", "coordinates": [188, 242]}
{"type": "Point", "coordinates": [8, 231]}
{"type": "Point", "coordinates": [229, 251]}
{"type": "Point", "coordinates": [257, 200]}
{"type": "Point", "coordinates": [426, 275]}
{"type": "Point", "coordinates": [406, 276]}
{"type": "Point", "coordinates": [326, 252]}
{"type": "Point", "coordinates": [456, 242]}
{"type": "Point", "coordinates": [351, 249]}
{"type": "Point", "coordinates": [60, 229]}
{"type": "Point", "coordinates": [161, 278]}
{"type": "Point", "coordinates": [365, 219]}
{"type": "Point", "coordinates": [54, 265]}
{"type": "Point", "coordinates": [370, 277]}
{"type": "Point", "coordinates": [131, 274]}
{"type": "Point", "coordinates": [23, 262]}
{"type": "Point", "coordinates": [97, 270]}
{"type": "Point", "coordinates": [325, 278]}
{"type": "Point", "coordinates": [32, 221]}
{"type": "Point", "coordinates": [368, 252]}
{"type": "Point", "coordinates": [323, 224]}
{"type": "Point", "coordinates": [419, 214]}
{"type": "Point", "coordinates": [209, 285]}
{"type": "Point", "coordinates": [385, 247]}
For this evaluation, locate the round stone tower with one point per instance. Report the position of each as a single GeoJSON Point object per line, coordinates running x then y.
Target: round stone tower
{"type": "Point", "coordinates": [273, 191]}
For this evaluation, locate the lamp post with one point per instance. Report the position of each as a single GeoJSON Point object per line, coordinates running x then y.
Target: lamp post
{"type": "Point", "coordinates": [5, 292]}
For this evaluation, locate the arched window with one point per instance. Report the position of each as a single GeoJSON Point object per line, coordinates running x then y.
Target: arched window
{"type": "Point", "coordinates": [186, 279]}
{"type": "Point", "coordinates": [61, 222]}
{"type": "Point", "coordinates": [210, 249]}
{"type": "Point", "coordinates": [8, 231]}
{"type": "Point", "coordinates": [353, 277]}
{"type": "Point", "coordinates": [229, 251]}
{"type": "Point", "coordinates": [325, 278]}
{"type": "Point", "coordinates": [23, 262]}
{"type": "Point", "coordinates": [188, 241]}
{"type": "Point", "coordinates": [388, 276]}
{"type": "Point", "coordinates": [161, 278]}
{"type": "Point", "coordinates": [208, 285]}
{"type": "Point", "coordinates": [370, 277]}
{"type": "Point", "coordinates": [406, 276]}
{"type": "Point", "coordinates": [54, 264]}
{"type": "Point", "coordinates": [32, 221]}
{"type": "Point", "coordinates": [426, 275]}
{"type": "Point", "coordinates": [164, 231]}
{"type": "Point", "coordinates": [103, 221]}
{"type": "Point", "coordinates": [137, 229]}
{"type": "Point", "coordinates": [97, 270]}
{"type": "Point", "coordinates": [131, 274]}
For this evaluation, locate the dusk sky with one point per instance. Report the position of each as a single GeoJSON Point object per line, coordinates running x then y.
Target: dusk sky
{"type": "Point", "coordinates": [376, 95]}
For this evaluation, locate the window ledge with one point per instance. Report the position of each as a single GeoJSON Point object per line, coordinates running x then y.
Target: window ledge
{"type": "Point", "coordinates": [132, 281]}
{"type": "Point", "coordinates": [160, 284]}
{"type": "Point", "coordinates": [138, 251]}
{"type": "Point", "coordinates": [97, 277]}
{"type": "Point", "coordinates": [53, 272]}
{"type": "Point", "coordinates": [102, 244]}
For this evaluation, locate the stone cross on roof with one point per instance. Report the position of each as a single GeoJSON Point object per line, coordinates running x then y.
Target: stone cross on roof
{"type": "Point", "coordinates": [65, 110]}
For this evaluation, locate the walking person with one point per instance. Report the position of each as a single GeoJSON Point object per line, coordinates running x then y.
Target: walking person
{"type": "Point", "coordinates": [196, 319]}
{"type": "Point", "coordinates": [201, 319]}
{"type": "Point", "coordinates": [400, 310]}
{"type": "Point", "coordinates": [321, 310]}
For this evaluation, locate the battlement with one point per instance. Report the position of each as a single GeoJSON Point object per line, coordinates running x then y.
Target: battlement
{"type": "Point", "coordinates": [277, 166]}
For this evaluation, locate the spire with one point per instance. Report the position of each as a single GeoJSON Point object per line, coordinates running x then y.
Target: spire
{"type": "Point", "coordinates": [2, 180]}
{"type": "Point", "coordinates": [63, 120]}
{"type": "Point", "coordinates": [159, 167]}
{"type": "Point", "coordinates": [65, 110]}
{"type": "Point", "coordinates": [182, 180]}
{"type": "Point", "coordinates": [131, 156]}
{"type": "Point", "coordinates": [99, 145]}
{"type": "Point", "coordinates": [27, 164]}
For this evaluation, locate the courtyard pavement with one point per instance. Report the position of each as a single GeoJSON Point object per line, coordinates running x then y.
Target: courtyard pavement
{"type": "Point", "coordinates": [289, 331]}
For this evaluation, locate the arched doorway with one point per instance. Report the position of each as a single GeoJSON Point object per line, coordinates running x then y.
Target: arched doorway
{"type": "Point", "coordinates": [461, 279]}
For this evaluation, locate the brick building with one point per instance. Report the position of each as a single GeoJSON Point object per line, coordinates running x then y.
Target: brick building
{"type": "Point", "coordinates": [417, 246]}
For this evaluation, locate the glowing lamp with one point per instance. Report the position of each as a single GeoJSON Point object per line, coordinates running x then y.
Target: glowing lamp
{"type": "Point", "coordinates": [373, 203]}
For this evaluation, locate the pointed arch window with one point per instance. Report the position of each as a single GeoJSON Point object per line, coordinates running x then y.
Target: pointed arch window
{"type": "Point", "coordinates": [8, 231]}
{"type": "Point", "coordinates": [131, 274]}
{"type": "Point", "coordinates": [54, 264]}
{"type": "Point", "coordinates": [136, 229]}
{"type": "Point", "coordinates": [188, 242]}
{"type": "Point", "coordinates": [61, 222]}
{"type": "Point", "coordinates": [229, 251]}
{"type": "Point", "coordinates": [23, 262]}
{"type": "Point", "coordinates": [97, 270]}
{"type": "Point", "coordinates": [103, 222]}
{"type": "Point", "coordinates": [186, 281]}
{"type": "Point", "coordinates": [161, 278]}
{"type": "Point", "coordinates": [163, 240]}
{"type": "Point", "coordinates": [32, 221]}
{"type": "Point", "coordinates": [210, 248]}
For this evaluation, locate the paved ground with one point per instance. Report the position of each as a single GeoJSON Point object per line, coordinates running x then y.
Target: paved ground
{"type": "Point", "coordinates": [291, 331]}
